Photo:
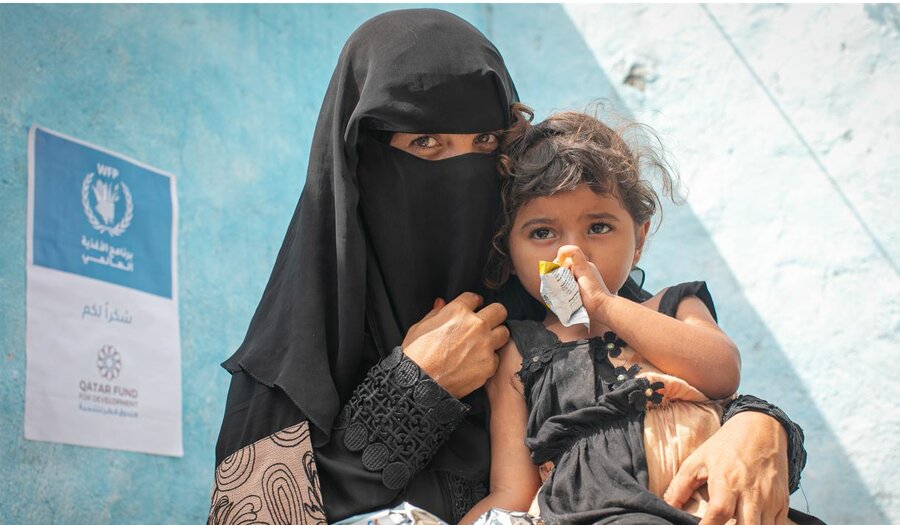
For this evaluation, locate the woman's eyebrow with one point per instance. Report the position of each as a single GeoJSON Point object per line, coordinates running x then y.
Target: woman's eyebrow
{"type": "Point", "coordinates": [536, 220]}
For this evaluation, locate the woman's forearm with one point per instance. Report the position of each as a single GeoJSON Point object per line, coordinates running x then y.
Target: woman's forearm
{"type": "Point", "coordinates": [698, 353]}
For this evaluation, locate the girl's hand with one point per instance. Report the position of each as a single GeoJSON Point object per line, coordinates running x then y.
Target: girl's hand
{"type": "Point", "coordinates": [594, 291]}
{"type": "Point", "coordinates": [745, 468]}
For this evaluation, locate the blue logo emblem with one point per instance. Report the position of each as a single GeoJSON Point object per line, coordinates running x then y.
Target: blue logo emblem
{"type": "Point", "coordinates": [102, 196]}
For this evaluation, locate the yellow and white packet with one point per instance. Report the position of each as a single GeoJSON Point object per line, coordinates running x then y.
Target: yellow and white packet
{"type": "Point", "coordinates": [560, 293]}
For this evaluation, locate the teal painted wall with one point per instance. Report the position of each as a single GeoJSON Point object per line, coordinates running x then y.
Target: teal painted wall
{"type": "Point", "coordinates": [225, 97]}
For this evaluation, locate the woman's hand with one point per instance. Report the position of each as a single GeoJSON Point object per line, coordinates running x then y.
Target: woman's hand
{"type": "Point", "coordinates": [745, 468]}
{"type": "Point", "coordinates": [457, 346]}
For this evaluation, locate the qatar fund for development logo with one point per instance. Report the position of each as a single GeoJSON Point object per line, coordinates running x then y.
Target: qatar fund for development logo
{"type": "Point", "coordinates": [109, 362]}
{"type": "Point", "coordinates": [105, 397]}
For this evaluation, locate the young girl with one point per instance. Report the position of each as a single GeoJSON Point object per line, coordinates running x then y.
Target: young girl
{"type": "Point", "coordinates": [598, 419]}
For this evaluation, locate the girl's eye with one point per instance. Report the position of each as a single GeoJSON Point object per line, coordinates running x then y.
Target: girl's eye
{"type": "Point", "coordinates": [600, 227]}
{"type": "Point", "coordinates": [540, 234]}
{"type": "Point", "coordinates": [425, 141]}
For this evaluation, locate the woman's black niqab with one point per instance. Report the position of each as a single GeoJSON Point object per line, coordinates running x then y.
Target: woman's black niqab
{"type": "Point", "coordinates": [422, 230]}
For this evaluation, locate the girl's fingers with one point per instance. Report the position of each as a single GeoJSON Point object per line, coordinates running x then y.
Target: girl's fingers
{"type": "Point", "coordinates": [589, 279]}
{"type": "Point", "coordinates": [570, 255]}
{"type": "Point", "coordinates": [574, 259]}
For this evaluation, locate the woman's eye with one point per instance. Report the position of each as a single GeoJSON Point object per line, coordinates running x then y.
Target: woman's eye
{"type": "Point", "coordinates": [424, 141]}
{"type": "Point", "coordinates": [486, 138]}
{"type": "Point", "coordinates": [540, 234]}
{"type": "Point", "coordinates": [600, 227]}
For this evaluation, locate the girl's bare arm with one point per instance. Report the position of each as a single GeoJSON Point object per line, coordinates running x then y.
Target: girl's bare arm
{"type": "Point", "coordinates": [690, 346]}
{"type": "Point", "coordinates": [514, 478]}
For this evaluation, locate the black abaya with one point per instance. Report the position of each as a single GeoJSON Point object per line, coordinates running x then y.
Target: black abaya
{"type": "Point", "coordinates": [378, 234]}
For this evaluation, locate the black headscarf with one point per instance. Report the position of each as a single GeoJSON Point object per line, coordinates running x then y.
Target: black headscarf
{"type": "Point", "coordinates": [378, 233]}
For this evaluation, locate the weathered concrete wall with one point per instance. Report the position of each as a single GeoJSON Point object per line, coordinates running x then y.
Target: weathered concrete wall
{"type": "Point", "coordinates": [224, 97]}
{"type": "Point", "coordinates": [781, 133]}
{"type": "Point", "coordinates": [784, 122]}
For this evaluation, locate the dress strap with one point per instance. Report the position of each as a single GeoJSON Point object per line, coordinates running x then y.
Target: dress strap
{"type": "Point", "coordinates": [530, 336]}
{"type": "Point", "coordinates": [674, 294]}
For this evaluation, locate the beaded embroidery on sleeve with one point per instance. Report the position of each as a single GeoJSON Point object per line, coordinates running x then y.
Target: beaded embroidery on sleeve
{"type": "Point", "coordinates": [397, 419]}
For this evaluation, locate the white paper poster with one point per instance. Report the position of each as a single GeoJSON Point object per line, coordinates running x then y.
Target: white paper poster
{"type": "Point", "coordinates": [102, 338]}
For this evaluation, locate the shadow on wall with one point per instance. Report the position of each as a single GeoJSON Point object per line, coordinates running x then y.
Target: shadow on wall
{"type": "Point", "coordinates": [242, 86]}
{"type": "Point", "coordinates": [554, 70]}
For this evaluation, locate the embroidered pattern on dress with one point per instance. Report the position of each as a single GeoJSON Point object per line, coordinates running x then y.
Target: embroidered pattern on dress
{"type": "Point", "coordinates": [270, 481]}
{"type": "Point", "coordinates": [645, 392]}
{"type": "Point", "coordinates": [613, 344]}
{"type": "Point", "coordinates": [532, 363]}
{"type": "Point", "coordinates": [618, 376]}
{"type": "Point", "coordinates": [603, 348]}
{"type": "Point", "coordinates": [464, 494]}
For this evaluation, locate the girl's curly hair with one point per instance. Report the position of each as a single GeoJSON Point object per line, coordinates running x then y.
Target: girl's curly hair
{"type": "Point", "coordinates": [566, 150]}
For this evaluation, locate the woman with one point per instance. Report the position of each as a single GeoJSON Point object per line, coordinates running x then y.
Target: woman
{"type": "Point", "coordinates": [354, 388]}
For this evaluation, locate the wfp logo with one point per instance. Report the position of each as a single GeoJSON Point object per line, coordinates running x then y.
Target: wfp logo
{"type": "Point", "coordinates": [109, 362]}
{"type": "Point", "coordinates": [103, 193]}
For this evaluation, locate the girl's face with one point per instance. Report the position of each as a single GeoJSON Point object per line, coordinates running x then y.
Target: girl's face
{"type": "Point", "coordinates": [598, 224]}
{"type": "Point", "coordinates": [437, 146]}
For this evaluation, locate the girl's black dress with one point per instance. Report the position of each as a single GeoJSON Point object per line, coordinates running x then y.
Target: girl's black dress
{"type": "Point", "coordinates": [586, 416]}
